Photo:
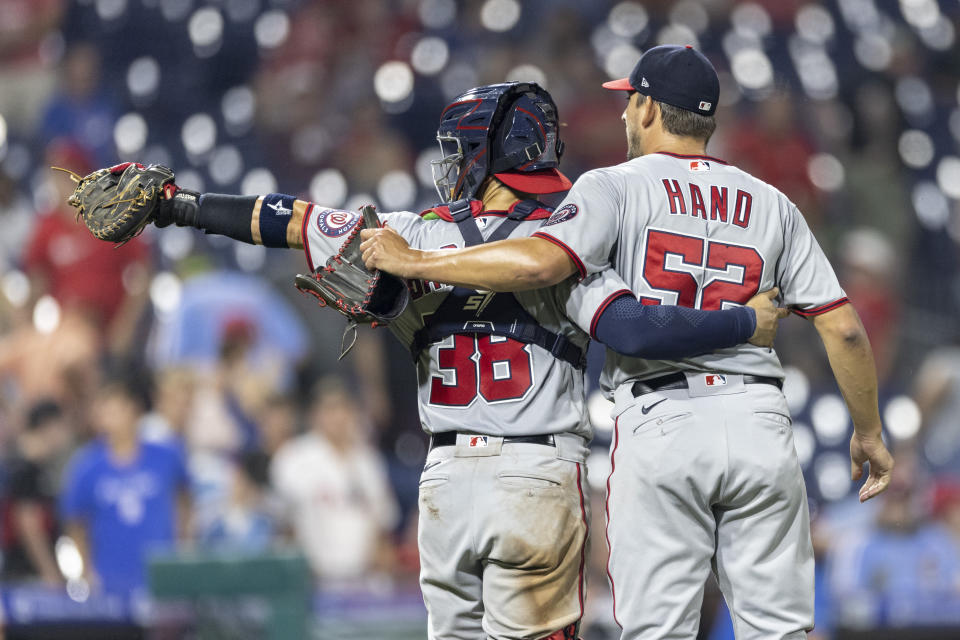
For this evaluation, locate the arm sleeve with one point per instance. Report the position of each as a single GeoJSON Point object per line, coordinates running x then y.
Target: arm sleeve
{"type": "Point", "coordinates": [603, 305]}
{"type": "Point", "coordinates": [274, 220]}
{"type": "Point", "coordinates": [586, 223]}
{"type": "Point", "coordinates": [807, 282]}
{"type": "Point", "coordinates": [659, 332]}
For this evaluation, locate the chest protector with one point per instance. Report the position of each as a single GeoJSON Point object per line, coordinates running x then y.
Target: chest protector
{"type": "Point", "coordinates": [465, 311]}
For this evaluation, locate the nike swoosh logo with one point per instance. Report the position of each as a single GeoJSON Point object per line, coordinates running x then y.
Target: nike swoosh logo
{"type": "Point", "coordinates": [645, 410]}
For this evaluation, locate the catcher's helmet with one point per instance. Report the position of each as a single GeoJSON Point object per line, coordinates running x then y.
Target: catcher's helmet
{"type": "Point", "coordinates": [507, 130]}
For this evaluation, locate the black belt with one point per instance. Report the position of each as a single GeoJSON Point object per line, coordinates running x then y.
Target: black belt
{"type": "Point", "coordinates": [679, 381]}
{"type": "Point", "coordinates": [449, 439]}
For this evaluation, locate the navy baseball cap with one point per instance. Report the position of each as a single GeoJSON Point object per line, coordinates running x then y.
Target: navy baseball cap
{"type": "Point", "coordinates": [677, 75]}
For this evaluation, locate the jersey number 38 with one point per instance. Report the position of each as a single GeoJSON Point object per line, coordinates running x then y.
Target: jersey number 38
{"type": "Point", "coordinates": [494, 367]}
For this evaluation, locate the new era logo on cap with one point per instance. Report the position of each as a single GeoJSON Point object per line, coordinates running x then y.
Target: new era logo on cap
{"type": "Point", "coordinates": [674, 75]}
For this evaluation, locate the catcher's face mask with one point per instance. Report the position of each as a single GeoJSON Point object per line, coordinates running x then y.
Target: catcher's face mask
{"type": "Point", "coordinates": [446, 170]}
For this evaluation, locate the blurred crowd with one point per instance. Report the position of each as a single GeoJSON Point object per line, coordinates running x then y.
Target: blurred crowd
{"type": "Point", "coordinates": [176, 392]}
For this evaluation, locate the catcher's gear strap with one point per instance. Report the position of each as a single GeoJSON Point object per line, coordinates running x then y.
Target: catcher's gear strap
{"type": "Point", "coordinates": [467, 311]}
{"type": "Point", "coordinates": [462, 214]}
{"type": "Point", "coordinates": [442, 211]}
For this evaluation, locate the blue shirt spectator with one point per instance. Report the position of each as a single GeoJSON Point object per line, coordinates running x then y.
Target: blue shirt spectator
{"type": "Point", "coordinates": [82, 110]}
{"type": "Point", "coordinates": [120, 497]}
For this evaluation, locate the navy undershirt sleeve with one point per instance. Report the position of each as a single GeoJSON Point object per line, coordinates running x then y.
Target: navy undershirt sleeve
{"type": "Point", "coordinates": [227, 215]}
{"type": "Point", "coordinates": [661, 332]}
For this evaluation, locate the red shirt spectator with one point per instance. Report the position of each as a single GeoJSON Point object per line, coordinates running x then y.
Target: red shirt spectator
{"type": "Point", "coordinates": [78, 269]}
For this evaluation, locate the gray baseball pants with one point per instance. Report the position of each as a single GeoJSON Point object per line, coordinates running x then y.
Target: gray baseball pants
{"type": "Point", "coordinates": [707, 480]}
{"type": "Point", "coordinates": [502, 538]}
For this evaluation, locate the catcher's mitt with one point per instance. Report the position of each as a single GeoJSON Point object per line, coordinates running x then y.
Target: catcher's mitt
{"type": "Point", "coordinates": [117, 203]}
{"type": "Point", "coordinates": [347, 285]}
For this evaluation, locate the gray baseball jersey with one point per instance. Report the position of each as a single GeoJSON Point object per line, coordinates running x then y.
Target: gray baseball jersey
{"type": "Point", "coordinates": [695, 232]}
{"type": "Point", "coordinates": [704, 478]}
{"type": "Point", "coordinates": [496, 386]}
{"type": "Point", "coordinates": [488, 564]}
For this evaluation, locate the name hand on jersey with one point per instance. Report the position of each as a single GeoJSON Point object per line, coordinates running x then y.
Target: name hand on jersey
{"type": "Point", "coordinates": [715, 208]}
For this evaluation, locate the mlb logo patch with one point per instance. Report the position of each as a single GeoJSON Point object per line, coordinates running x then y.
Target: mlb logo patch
{"type": "Point", "coordinates": [699, 165]}
{"type": "Point", "coordinates": [477, 441]}
{"type": "Point", "coordinates": [715, 380]}
{"type": "Point", "coordinates": [705, 106]}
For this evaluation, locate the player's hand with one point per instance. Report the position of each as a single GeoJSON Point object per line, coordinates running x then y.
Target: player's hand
{"type": "Point", "coordinates": [385, 249]}
{"type": "Point", "coordinates": [768, 317]}
{"type": "Point", "coordinates": [870, 449]}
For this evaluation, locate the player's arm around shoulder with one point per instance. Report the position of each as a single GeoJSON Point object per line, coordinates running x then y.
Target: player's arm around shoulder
{"type": "Point", "coordinates": [515, 264]}
{"type": "Point", "coordinates": [851, 360]}
{"type": "Point", "coordinates": [518, 264]}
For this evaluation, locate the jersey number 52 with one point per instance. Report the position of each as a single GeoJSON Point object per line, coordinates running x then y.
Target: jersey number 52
{"type": "Point", "coordinates": [731, 273]}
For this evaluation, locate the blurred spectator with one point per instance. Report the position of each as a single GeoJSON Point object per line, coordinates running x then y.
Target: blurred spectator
{"type": "Point", "coordinates": [334, 486]}
{"type": "Point", "coordinates": [123, 497]}
{"type": "Point", "coordinates": [937, 393]}
{"type": "Point", "coordinates": [876, 194]}
{"type": "Point", "coordinates": [900, 561]}
{"type": "Point", "coordinates": [227, 401]}
{"type": "Point", "coordinates": [278, 422]}
{"type": "Point", "coordinates": [16, 213]}
{"type": "Point", "coordinates": [65, 261]}
{"type": "Point", "coordinates": [192, 334]}
{"type": "Point", "coordinates": [246, 521]}
{"type": "Point", "coordinates": [27, 44]}
{"type": "Point", "coordinates": [944, 533]}
{"type": "Point", "coordinates": [30, 514]}
{"type": "Point", "coordinates": [869, 275]}
{"type": "Point", "coordinates": [59, 361]}
{"type": "Point", "coordinates": [772, 146]}
{"type": "Point", "coordinates": [171, 407]}
{"type": "Point", "coordinates": [82, 109]}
